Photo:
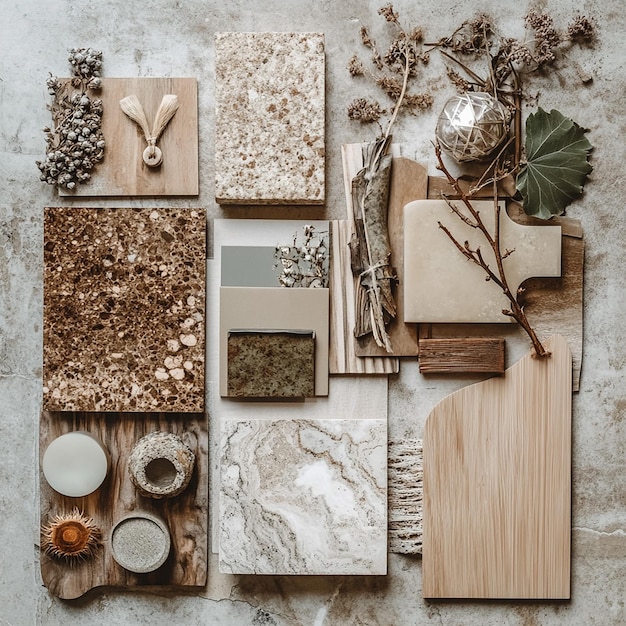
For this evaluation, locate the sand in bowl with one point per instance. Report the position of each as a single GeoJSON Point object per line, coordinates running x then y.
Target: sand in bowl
{"type": "Point", "coordinates": [140, 543]}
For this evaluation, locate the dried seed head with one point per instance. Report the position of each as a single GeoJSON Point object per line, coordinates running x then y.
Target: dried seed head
{"type": "Point", "coordinates": [71, 537]}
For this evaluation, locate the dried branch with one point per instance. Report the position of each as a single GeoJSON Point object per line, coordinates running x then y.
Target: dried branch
{"type": "Point", "coordinates": [475, 255]}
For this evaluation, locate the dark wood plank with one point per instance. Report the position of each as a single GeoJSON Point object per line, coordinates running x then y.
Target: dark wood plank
{"type": "Point", "coordinates": [463, 355]}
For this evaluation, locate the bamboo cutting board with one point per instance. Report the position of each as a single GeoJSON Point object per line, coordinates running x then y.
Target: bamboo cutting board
{"type": "Point", "coordinates": [497, 485]}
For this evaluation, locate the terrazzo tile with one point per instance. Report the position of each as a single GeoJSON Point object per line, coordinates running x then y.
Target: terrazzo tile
{"type": "Point", "coordinates": [124, 302]}
{"type": "Point", "coordinates": [303, 497]}
{"type": "Point", "coordinates": [271, 364]}
{"type": "Point", "coordinates": [270, 98]}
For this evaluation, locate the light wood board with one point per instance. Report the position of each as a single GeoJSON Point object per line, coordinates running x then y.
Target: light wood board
{"type": "Point", "coordinates": [186, 514]}
{"type": "Point", "coordinates": [122, 172]}
{"type": "Point", "coordinates": [342, 353]}
{"type": "Point", "coordinates": [409, 181]}
{"type": "Point", "coordinates": [497, 485]}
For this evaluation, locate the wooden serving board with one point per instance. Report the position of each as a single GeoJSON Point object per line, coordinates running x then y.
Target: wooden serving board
{"type": "Point", "coordinates": [122, 172]}
{"type": "Point", "coordinates": [497, 485]}
{"type": "Point", "coordinates": [186, 514]}
{"type": "Point", "coordinates": [553, 305]}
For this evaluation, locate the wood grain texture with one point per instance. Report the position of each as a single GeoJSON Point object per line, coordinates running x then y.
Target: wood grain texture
{"type": "Point", "coordinates": [186, 514]}
{"type": "Point", "coordinates": [409, 181]}
{"type": "Point", "coordinates": [462, 355]}
{"type": "Point", "coordinates": [342, 353]}
{"type": "Point", "coordinates": [122, 172]}
{"type": "Point", "coordinates": [497, 485]}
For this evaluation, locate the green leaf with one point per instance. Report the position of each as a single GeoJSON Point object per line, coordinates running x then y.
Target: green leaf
{"type": "Point", "coordinates": [556, 163]}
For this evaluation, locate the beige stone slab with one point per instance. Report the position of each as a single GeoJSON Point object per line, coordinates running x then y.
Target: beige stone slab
{"type": "Point", "coordinates": [270, 115]}
{"type": "Point", "coordinates": [122, 172]}
{"type": "Point", "coordinates": [441, 285]}
{"type": "Point", "coordinates": [276, 308]}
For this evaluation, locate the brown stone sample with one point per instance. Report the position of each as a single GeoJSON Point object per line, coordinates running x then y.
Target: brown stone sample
{"type": "Point", "coordinates": [271, 364]}
{"type": "Point", "coordinates": [124, 302]}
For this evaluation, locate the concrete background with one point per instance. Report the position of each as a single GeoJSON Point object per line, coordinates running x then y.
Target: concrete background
{"type": "Point", "coordinates": [172, 38]}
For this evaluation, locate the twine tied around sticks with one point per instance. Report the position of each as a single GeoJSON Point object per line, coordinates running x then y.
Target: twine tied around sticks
{"type": "Point", "coordinates": [152, 155]}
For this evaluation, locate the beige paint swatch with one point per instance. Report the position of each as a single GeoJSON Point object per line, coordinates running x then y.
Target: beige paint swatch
{"type": "Point", "coordinates": [276, 308]}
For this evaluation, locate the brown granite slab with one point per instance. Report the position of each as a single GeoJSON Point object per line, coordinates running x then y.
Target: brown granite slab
{"type": "Point", "coordinates": [124, 309]}
{"type": "Point", "coordinates": [271, 364]}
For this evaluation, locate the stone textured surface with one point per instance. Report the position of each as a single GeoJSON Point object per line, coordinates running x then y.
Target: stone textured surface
{"type": "Point", "coordinates": [269, 136]}
{"type": "Point", "coordinates": [124, 309]}
{"type": "Point", "coordinates": [303, 497]}
{"type": "Point", "coordinates": [176, 40]}
{"type": "Point", "coordinates": [271, 364]}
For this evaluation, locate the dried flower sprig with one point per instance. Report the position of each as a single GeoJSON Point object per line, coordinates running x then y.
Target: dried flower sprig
{"type": "Point", "coordinates": [304, 264]}
{"type": "Point", "coordinates": [76, 143]}
{"type": "Point", "coordinates": [392, 72]}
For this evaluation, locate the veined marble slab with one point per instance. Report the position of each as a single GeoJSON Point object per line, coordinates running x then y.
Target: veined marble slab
{"type": "Point", "coordinates": [303, 497]}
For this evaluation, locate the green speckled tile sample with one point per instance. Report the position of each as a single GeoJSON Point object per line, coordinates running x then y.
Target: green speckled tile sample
{"type": "Point", "coordinates": [271, 364]}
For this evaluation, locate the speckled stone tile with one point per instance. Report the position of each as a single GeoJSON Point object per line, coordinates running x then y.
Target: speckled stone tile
{"type": "Point", "coordinates": [270, 112]}
{"type": "Point", "coordinates": [271, 364]}
{"type": "Point", "coordinates": [303, 497]}
{"type": "Point", "coordinates": [124, 309]}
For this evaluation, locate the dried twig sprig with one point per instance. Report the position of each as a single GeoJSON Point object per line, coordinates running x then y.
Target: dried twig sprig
{"type": "Point", "coordinates": [392, 71]}
{"type": "Point", "coordinates": [497, 275]}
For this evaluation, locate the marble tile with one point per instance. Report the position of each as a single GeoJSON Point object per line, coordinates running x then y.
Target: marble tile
{"type": "Point", "coordinates": [303, 497]}
{"type": "Point", "coordinates": [271, 364]}
{"type": "Point", "coordinates": [124, 309]}
{"type": "Point", "coordinates": [270, 97]}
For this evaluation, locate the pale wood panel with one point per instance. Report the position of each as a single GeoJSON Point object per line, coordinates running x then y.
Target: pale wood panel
{"type": "Point", "coordinates": [186, 515]}
{"type": "Point", "coordinates": [122, 172]}
{"type": "Point", "coordinates": [497, 485]}
{"type": "Point", "coordinates": [462, 355]}
{"type": "Point", "coordinates": [342, 355]}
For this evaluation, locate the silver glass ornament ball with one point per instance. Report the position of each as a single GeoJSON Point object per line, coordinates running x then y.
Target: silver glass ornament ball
{"type": "Point", "coordinates": [471, 126]}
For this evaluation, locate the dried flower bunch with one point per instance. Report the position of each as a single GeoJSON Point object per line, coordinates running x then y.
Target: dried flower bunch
{"type": "Point", "coordinates": [76, 143]}
{"type": "Point", "coordinates": [508, 56]}
{"type": "Point", "coordinates": [304, 264]}
{"type": "Point", "coordinates": [392, 71]}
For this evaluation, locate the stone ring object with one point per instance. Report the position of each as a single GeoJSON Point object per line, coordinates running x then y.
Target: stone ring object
{"type": "Point", "coordinates": [161, 465]}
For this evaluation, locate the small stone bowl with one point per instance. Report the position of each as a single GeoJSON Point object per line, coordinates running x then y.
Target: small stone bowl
{"type": "Point", "coordinates": [140, 542]}
{"type": "Point", "coordinates": [161, 465]}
